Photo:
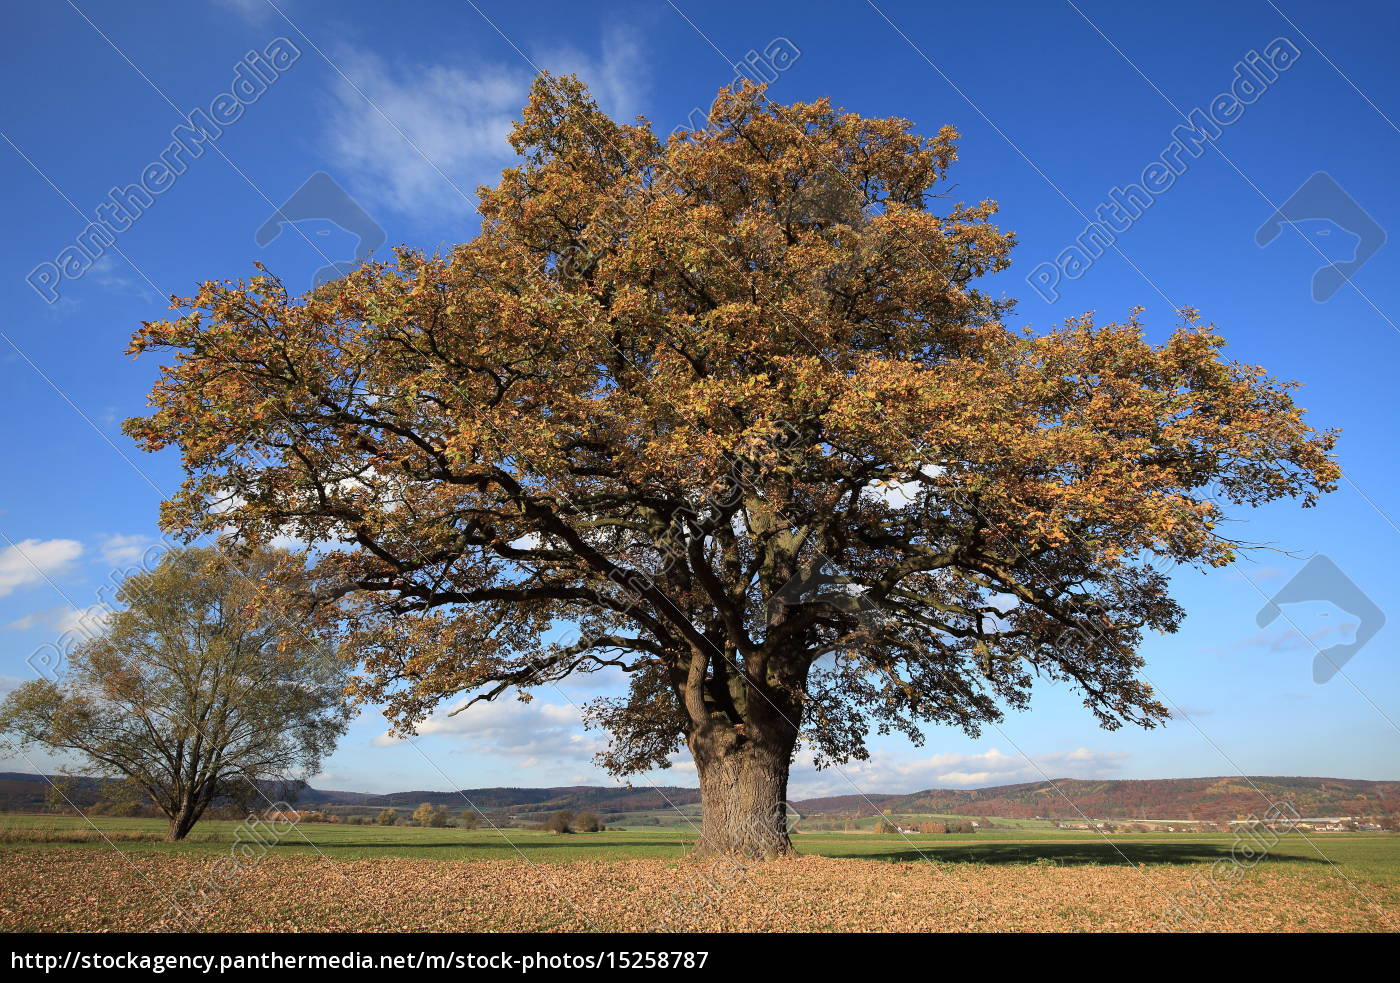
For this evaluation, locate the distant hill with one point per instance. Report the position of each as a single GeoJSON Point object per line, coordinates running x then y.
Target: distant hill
{"type": "Point", "coordinates": [1168, 798]}
{"type": "Point", "coordinates": [863, 805]}
{"type": "Point", "coordinates": [21, 792]}
{"type": "Point", "coordinates": [524, 800]}
{"type": "Point", "coordinates": [25, 792]}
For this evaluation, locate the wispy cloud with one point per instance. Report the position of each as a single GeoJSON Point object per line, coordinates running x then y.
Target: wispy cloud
{"type": "Point", "coordinates": [118, 550]}
{"type": "Point", "coordinates": [903, 772]}
{"type": "Point", "coordinates": [419, 138]}
{"type": "Point", "coordinates": [1290, 640]}
{"type": "Point", "coordinates": [31, 561]}
{"type": "Point", "coordinates": [84, 621]}
{"type": "Point", "coordinates": [1308, 626]}
{"type": "Point", "coordinates": [527, 734]}
{"type": "Point", "coordinates": [616, 75]}
{"type": "Point", "coordinates": [111, 274]}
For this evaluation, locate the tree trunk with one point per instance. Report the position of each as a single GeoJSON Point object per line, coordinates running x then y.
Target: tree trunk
{"type": "Point", "coordinates": [180, 825]}
{"type": "Point", "coordinates": [743, 793]}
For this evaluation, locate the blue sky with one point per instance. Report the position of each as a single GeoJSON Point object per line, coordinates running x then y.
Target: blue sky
{"type": "Point", "coordinates": [406, 108]}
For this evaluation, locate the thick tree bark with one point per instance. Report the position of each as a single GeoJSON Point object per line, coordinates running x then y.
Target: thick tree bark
{"type": "Point", "coordinates": [182, 821]}
{"type": "Point", "coordinates": [743, 793]}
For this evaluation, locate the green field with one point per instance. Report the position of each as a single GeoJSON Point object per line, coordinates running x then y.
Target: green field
{"type": "Point", "coordinates": [1361, 856]}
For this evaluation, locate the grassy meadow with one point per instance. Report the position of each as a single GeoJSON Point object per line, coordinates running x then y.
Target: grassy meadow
{"type": "Point", "coordinates": [1372, 856]}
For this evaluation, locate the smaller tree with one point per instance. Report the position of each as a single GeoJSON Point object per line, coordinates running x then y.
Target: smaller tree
{"type": "Point", "coordinates": [588, 822]}
{"type": "Point", "coordinates": [211, 683]}
{"type": "Point", "coordinates": [423, 815]}
{"type": "Point", "coordinates": [387, 817]}
{"type": "Point", "coordinates": [469, 820]}
{"type": "Point", "coordinates": [561, 822]}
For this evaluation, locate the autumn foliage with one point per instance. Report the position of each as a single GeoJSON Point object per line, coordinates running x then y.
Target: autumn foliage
{"type": "Point", "coordinates": [734, 406]}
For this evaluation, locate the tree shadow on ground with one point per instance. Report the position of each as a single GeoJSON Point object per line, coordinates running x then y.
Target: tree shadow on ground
{"type": "Point", "coordinates": [1072, 854]}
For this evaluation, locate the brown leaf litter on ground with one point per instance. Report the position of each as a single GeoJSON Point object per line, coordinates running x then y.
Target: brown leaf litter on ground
{"type": "Point", "coordinates": [68, 890]}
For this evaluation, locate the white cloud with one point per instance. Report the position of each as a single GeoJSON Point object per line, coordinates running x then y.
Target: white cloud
{"type": "Point", "coordinates": [123, 551]}
{"type": "Point", "coordinates": [902, 772]}
{"type": "Point", "coordinates": [284, 541]}
{"type": "Point", "coordinates": [529, 734]}
{"type": "Point", "coordinates": [616, 77]}
{"type": "Point", "coordinates": [106, 272]}
{"type": "Point", "coordinates": [456, 118]}
{"type": "Point", "coordinates": [902, 494]}
{"type": "Point", "coordinates": [31, 561]}
{"type": "Point", "coordinates": [529, 541]}
{"type": "Point", "coordinates": [419, 138]}
{"type": "Point", "coordinates": [31, 620]}
{"type": "Point", "coordinates": [82, 621]}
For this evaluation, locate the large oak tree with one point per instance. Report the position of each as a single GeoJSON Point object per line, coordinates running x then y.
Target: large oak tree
{"type": "Point", "coordinates": [733, 404]}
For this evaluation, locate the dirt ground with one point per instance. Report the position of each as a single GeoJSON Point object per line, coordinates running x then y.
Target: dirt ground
{"type": "Point", "coordinates": [71, 890]}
